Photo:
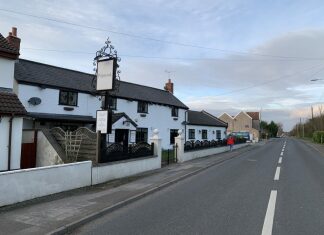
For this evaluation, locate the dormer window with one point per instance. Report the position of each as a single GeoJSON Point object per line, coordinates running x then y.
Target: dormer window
{"type": "Point", "coordinates": [69, 98]}
{"type": "Point", "coordinates": [174, 112]}
{"type": "Point", "coordinates": [142, 107]}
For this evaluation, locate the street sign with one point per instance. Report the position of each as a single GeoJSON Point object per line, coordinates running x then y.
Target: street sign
{"type": "Point", "coordinates": [102, 121]}
{"type": "Point", "coordinates": [106, 70]}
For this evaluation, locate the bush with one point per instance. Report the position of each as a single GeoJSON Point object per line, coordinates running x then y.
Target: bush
{"type": "Point", "coordinates": [318, 136]}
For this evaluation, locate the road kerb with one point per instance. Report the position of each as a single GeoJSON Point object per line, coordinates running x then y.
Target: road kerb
{"type": "Point", "coordinates": [75, 224]}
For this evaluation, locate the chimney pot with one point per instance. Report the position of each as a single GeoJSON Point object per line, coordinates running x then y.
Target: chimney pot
{"type": "Point", "coordinates": [169, 86]}
{"type": "Point", "coordinates": [13, 39]}
{"type": "Point", "coordinates": [14, 31]}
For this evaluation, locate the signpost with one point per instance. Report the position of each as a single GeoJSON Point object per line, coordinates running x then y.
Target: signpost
{"type": "Point", "coordinates": [106, 73]}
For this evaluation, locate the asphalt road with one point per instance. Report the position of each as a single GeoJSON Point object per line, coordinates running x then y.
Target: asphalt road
{"type": "Point", "coordinates": [277, 188]}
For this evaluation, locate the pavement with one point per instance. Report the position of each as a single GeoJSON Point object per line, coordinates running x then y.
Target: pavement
{"type": "Point", "coordinates": [65, 212]}
{"type": "Point", "coordinates": [276, 188]}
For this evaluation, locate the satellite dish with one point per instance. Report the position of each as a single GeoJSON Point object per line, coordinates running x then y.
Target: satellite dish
{"type": "Point", "coordinates": [34, 101]}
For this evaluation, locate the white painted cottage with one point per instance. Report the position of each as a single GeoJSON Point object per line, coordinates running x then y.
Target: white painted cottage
{"type": "Point", "coordinates": [11, 109]}
{"type": "Point", "coordinates": [204, 126]}
{"type": "Point", "coordinates": [55, 96]}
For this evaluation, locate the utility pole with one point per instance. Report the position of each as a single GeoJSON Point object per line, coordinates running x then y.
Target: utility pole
{"type": "Point", "coordinates": [299, 126]}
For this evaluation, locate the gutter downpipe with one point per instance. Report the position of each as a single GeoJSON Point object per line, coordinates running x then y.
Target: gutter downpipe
{"type": "Point", "coordinates": [9, 142]}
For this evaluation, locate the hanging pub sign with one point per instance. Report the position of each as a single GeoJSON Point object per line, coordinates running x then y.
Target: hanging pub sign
{"type": "Point", "coordinates": [106, 74]}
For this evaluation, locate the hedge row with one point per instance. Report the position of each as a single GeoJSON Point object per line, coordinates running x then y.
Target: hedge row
{"type": "Point", "coordinates": [318, 136]}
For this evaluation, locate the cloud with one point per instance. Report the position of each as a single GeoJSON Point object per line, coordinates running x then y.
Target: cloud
{"type": "Point", "coordinates": [247, 82]}
{"type": "Point", "coordinates": [218, 80]}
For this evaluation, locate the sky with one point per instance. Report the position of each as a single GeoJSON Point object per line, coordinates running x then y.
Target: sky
{"type": "Point", "coordinates": [222, 55]}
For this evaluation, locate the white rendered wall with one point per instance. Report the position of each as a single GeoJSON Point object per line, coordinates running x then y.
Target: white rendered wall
{"type": "Point", "coordinates": [7, 73]}
{"type": "Point", "coordinates": [87, 104]}
{"type": "Point", "coordinates": [210, 134]}
{"type": "Point", "coordinates": [190, 155]}
{"type": "Point", "coordinates": [125, 168]}
{"type": "Point", "coordinates": [158, 117]}
{"type": "Point", "coordinates": [15, 143]}
{"type": "Point", "coordinates": [22, 185]}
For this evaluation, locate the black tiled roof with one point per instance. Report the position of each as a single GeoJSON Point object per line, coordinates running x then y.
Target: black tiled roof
{"type": "Point", "coordinates": [50, 76]}
{"type": "Point", "coordinates": [6, 47]}
{"type": "Point", "coordinates": [10, 103]}
{"type": "Point", "coordinates": [204, 119]}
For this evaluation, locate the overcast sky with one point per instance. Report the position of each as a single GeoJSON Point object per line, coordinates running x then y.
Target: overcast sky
{"type": "Point", "coordinates": [224, 55]}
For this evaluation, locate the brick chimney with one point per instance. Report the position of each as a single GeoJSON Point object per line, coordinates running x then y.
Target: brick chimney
{"type": "Point", "coordinates": [13, 39]}
{"type": "Point", "coordinates": [169, 86]}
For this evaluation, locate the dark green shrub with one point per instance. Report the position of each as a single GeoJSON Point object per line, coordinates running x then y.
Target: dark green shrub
{"type": "Point", "coordinates": [318, 136]}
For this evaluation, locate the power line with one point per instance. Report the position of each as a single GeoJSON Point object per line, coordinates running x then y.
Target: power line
{"type": "Point", "coordinates": [150, 38]}
{"type": "Point", "coordinates": [267, 82]}
{"type": "Point", "coordinates": [176, 58]}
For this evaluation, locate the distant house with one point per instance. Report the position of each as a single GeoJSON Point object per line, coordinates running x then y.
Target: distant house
{"type": "Point", "coordinates": [11, 109]}
{"type": "Point", "coordinates": [204, 126]}
{"type": "Point", "coordinates": [55, 96]}
{"type": "Point", "coordinates": [225, 117]}
{"type": "Point", "coordinates": [255, 119]}
{"type": "Point", "coordinates": [243, 122]}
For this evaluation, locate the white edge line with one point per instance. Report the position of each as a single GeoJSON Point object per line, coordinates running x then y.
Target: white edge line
{"type": "Point", "coordinates": [268, 220]}
{"type": "Point", "coordinates": [277, 174]}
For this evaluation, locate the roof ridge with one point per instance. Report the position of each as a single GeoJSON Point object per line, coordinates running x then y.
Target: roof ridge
{"type": "Point", "coordinates": [55, 66]}
{"type": "Point", "coordinates": [73, 70]}
{"type": "Point", "coordinates": [145, 86]}
{"type": "Point", "coordinates": [212, 116]}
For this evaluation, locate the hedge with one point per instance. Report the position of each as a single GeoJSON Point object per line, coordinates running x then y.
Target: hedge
{"type": "Point", "coordinates": [318, 136]}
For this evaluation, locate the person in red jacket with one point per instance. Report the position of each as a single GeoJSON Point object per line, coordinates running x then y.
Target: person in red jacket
{"type": "Point", "coordinates": [230, 142]}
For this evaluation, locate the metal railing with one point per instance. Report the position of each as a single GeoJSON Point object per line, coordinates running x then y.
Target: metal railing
{"type": "Point", "coordinates": [169, 156]}
{"type": "Point", "coordinates": [197, 145]}
{"type": "Point", "coordinates": [118, 152]}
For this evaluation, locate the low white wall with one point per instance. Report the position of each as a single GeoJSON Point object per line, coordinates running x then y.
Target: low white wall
{"type": "Point", "coordinates": [46, 155]}
{"type": "Point", "coordinates": [110, 171]}
{"type": "Point", "coordinates": [190, 155]}
{"type": "Point", "coordinates": [22, 185]}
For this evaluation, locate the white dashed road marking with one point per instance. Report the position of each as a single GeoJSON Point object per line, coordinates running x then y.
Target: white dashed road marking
{"type": "Point", "coordinates": [280, 160]}
{"type": "Point", "coordinates": [277, 174]}
{"type": "Point", "coordinates": [268, 220]}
